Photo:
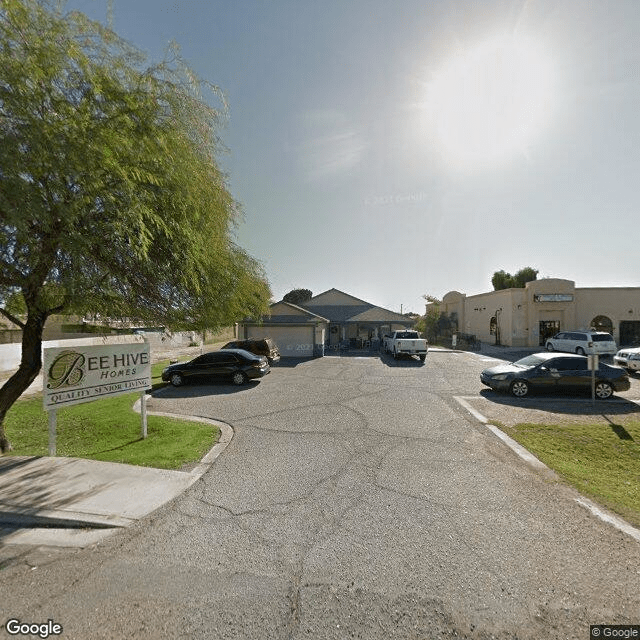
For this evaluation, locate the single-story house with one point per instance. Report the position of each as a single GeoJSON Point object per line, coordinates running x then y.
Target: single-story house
{"type": "Point", "coordinates": [325, 322]}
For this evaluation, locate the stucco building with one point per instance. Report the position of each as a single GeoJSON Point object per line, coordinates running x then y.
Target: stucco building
{"type": "Point", "coordinates": [526, 317]}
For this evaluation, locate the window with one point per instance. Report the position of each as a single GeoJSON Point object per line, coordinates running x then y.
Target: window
{"type": "Point", "coordinates": [568, 364]}
{"type": "Point", "coordinates": [602, 337]}
{"type": "Point", "coordinates": [224, 358]}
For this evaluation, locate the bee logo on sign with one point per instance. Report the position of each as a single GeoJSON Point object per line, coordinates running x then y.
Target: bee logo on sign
{"type": "Point", "coordinates": [66, 370]}
{"type": "Point", "coordinates": [88, 373]}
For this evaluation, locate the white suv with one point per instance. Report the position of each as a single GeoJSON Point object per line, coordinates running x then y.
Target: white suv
{"type": "Point", "coordinates": [628, 359]}
{"type": "Point", "coordinates": [582, 342]}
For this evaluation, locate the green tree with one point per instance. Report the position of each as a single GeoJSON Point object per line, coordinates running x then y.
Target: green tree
{"type": "Point", "coordinates": [503, 280]}
{"type": "Point", "coordinates": [111, 199]}
{"type": "Point", "coordinates": [297, 296]}
{"type": "Point", "coordinates": [527, 274]}
{"type": "Point", "coordinates": [430, 319]}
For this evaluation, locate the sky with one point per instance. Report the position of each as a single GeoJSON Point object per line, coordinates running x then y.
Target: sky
{"type": "Point", "coordinates": [395, 148]}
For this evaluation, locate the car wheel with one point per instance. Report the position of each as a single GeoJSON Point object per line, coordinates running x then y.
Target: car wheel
{"type": "Point", "coordinates": [423, 358]}
{"type": "Point", "coordinates": [580, 351]}
{"type": "Point", "coordinates": [238, 378]}
{"type": "Point", "coordinates": [549, 346]}
{"type": "Point", "coordinates": [519, 388]}
{"type": "Point", "coordinates": [603, 390]}
{"type": "Point", "coordinates": [395, 355]}
{"type": "Point", "coordinates": [176, 380]}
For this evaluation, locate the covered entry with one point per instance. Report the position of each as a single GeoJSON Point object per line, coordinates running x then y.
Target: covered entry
{"type": "Point", "coordinates": [548, 329]}
{"type": "Point", "coordinates": [629, 333]}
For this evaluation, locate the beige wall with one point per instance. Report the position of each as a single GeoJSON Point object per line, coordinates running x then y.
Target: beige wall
{"type": "Point", "coordinates": [520, 311]}
{"type": "Point", "coordinates": [618, 304]}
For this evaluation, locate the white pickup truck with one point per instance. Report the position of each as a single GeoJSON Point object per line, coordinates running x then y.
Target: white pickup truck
{"type": "Point", "coordinates": [406, 342]}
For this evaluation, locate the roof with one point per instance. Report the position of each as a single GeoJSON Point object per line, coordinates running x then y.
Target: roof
{"type": "Point", "coordinates": [298, 315]}
{"type": "Point", "coordinates": [311, 313]}
{"type": "Point", "coordinates": [362, 311]}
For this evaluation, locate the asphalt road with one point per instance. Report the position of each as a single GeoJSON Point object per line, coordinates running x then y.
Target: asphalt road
{"type": "Point", "coordinates": [356, 500]}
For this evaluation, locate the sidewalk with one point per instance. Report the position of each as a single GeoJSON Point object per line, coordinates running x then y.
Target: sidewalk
{"type": "Point", "coordinates": [72, 502]}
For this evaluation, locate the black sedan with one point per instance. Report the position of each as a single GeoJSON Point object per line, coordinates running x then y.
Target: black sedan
{"type": "Point", "coordinates": [550, 371]}
{"type": "Point", "coordinates": [235, 365]}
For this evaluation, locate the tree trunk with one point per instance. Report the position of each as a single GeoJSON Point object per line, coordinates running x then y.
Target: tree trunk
{"type": "Point", "coordinates": [30, 365]}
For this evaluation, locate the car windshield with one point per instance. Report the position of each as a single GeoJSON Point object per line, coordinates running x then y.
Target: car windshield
{"type": "Point", "coordinates": [529, 361]}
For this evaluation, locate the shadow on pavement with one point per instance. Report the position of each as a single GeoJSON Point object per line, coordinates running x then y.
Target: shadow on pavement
{"type": "Point", "coordinates": [29, 486]}
{"type": "Point", "coordinates": [198, 390]}
{"type": "Point", "coordinates": [578, 403]}
{"type": "Point", "coordinates": [290, 363]}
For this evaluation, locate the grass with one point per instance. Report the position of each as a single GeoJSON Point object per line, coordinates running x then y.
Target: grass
{"type": "Point", "coordinates": [600, 460]}
{"type": "Point", "coordinates": [109, 430]}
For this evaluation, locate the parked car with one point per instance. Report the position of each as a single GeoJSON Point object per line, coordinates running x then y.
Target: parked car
{"type": "Point", "coordinates": [406, 342]}
{"type": "Point", "coordinates": [628, 359]}
{"type": "Point", "coordinates": [547, 371]}
{"type": "Point", "coordinates": [235, 365]}
{"type": "Point", "coordinates": [582, 342]}
{"type": "Point", "coordinates": [260, 346]}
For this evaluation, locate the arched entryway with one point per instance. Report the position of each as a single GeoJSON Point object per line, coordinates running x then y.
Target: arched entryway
{"type": "Point", "coordinates": [602, 323]}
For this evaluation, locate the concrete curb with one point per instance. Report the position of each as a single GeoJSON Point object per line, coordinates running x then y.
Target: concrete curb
{"type": "Point", "coordinates": [538, 465]}
{"type": "Point", "coordinates": [82, 527]}
{"type": "Point", "coordinates": [226, 435]}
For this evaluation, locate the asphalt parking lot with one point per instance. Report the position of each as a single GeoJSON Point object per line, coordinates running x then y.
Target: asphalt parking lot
{"type": "Point", "coordinates": [356, 499]}
{"type": "Point", "coordinates": [550, 408]}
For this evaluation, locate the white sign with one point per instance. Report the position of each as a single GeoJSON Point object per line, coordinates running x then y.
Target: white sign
{"type": "Point", "coordinates": [72, 375]}
{"type": "Point", "coordinates": [553, 297]}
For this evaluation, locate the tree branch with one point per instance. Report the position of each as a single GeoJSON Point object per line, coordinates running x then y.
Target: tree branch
{"type": "Point", "coordinates": [11, 318]}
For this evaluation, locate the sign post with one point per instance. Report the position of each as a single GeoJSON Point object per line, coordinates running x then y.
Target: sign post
{"type": "Point", "coordinates": [143, 413]}
{"type": "Point", "coordinates": [84, 373]}
{"type": "Point", "coordinates": [593, 364]}
{"type": "Point", "coordinates": [53, 418]}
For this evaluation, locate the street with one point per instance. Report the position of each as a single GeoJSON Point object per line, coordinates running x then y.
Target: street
{"type": "Point", "coordinates": [357, 499]}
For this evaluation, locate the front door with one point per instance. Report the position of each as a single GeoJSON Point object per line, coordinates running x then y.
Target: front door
{"type": "Point", "coordinates": [548, 329]}
{"type": "Point", "coordinates": [629, 333]}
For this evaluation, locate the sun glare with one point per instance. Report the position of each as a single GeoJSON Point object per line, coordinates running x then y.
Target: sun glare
{"type": "Point", "coordinates": [489, 102]}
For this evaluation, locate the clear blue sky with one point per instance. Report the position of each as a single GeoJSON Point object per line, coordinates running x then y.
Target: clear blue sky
{"type": "Point", "coordinates": [395, 148]}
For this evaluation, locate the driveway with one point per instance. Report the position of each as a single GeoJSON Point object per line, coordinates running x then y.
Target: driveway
{"type": "Point", "coordinates": [357, 499]}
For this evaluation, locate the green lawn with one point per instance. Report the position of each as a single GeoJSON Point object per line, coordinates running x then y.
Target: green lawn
{"type": "Point", "coordinates": [601, 460]}
{"type": "Point", "coordinates": [110, 430]}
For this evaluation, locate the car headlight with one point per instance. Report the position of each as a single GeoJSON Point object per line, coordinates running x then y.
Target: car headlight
{"type": "Point", "coordinates": [500, 376]}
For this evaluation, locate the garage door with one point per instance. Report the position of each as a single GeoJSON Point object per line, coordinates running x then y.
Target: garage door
{"type": "Point", "coordinates": [293, 342]}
